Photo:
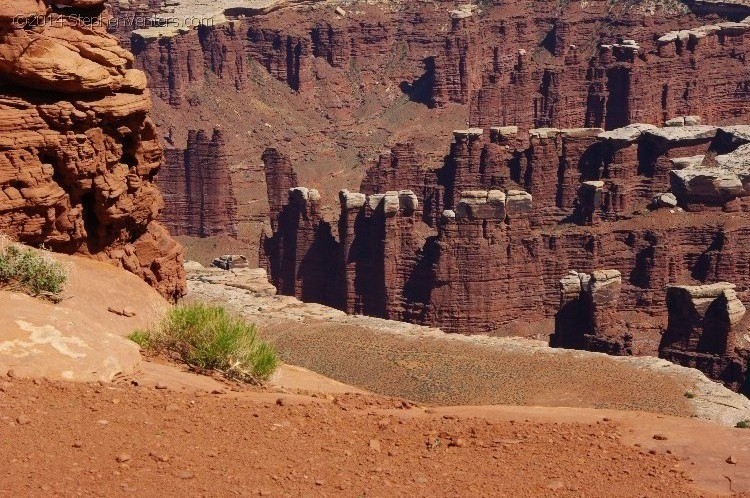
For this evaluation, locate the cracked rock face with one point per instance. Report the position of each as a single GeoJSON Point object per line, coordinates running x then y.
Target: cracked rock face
{"type": "Point", "coordinates": [78, 150]}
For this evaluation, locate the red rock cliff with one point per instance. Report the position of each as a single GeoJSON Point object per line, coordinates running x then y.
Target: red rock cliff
{"type": "Point", "coordinates": [78, 151]}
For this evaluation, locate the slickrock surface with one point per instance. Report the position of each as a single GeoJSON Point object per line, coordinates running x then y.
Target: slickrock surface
{"type": "Point", "coordinates": [427, 365]}
{"type": "Point", "coordinates": [81, 338]}
{"type": "Point", "coordinates": [78, 150]}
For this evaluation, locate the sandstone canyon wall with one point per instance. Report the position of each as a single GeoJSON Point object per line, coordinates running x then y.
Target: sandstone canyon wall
{"type": "Point", "coordinates": [584, 150]}
{"type": "Point", "coordinates": [78, 150]}
{"type": "Point", "coordinates": [531, 64]}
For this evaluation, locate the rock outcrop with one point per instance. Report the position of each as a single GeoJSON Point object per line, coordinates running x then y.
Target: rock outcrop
{"type": "Point", "coordinates": [707, 331]}
{"type": "Point", "coordinates": [588, 317]}
{"type": "Point", "coordinates": [84, 337]}
{"type": "Point", "coordinates": [78, 151]}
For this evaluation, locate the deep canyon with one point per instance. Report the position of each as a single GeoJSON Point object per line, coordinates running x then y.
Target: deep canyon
{"type": "Point", "coordinates": [575, 169]}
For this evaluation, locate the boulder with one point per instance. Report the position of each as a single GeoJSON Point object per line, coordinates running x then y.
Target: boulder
{"type": "Point", "coordinates": [667, 200]}
{"type": "Point", "coordinates": [230, 262]}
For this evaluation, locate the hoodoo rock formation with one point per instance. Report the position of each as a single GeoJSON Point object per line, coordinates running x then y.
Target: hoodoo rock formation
{"type": "Point", "coordinates": [588, 317]}
{"type": "Point", "coordinates": [518, 211]}
{"type": "Point", "coordinates": [78, 151]}
{"type": "Point", "coordinates": [706, 331]}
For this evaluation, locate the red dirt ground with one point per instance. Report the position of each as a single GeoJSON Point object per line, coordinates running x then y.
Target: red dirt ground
{"type": "Point", "coordinates": [91, 440]}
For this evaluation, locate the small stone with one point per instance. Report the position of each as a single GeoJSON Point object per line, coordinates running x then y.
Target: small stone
{"type": "Point", "coordinates": [458, 443]}
{"type": "Point", "coordinates": [280, 402]}
{"type": "Point", "coordinates": [660, 437]}
{"type": "Point", "coordinates": [123, 457]}
{"type": "Point", "coordinates": [125, 312]}
{"type": "Point", "coordinates": [375, 445]}
{"type": "Point", "coordinates": [731, 460]}
{"type": "Point", "coordinates": [555, 485]}
{"type": "Point", "coordinates": [161, 385]}
{"type": "Point", "coordinates": [77, 444]}
{"type": "Point", "coordinates": [185, 475]}
{"type": "Point", "coordinates": [11, 374]}
{"type": "Point", "coordinates": [23, 420]}
{"type": "Point", "coordinates": [218, 391]}
{"type": "Point", "coordinates": [319, 482]}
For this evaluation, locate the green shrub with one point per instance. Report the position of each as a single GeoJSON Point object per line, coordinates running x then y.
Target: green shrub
{"type": "Point", "coordinates": [142, 338]}
{"type": "Point", "coordinates": [745, 424]}
{"type": "Point", "coordinates": [689, 395]}
{"type": "Point", "coordinates": [30, 271]}
{"type": "Point", "coordinates": [209, 338]}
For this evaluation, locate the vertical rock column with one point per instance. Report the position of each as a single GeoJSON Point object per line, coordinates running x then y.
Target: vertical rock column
{"type": "Point", "coordinates": [463, 168]}
{"type": "Point", "coordinates": [486, 270]}
{"type": "Point", "coordinates": [301, 257]}
{"type": "Point", "coordinates": [355, 250]}
{"type": "Point", "coordinates": [588, 317]}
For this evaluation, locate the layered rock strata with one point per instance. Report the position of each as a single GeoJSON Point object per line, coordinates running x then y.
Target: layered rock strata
{"type": "Point", "coordinates": [531, 64]}
{"type": "Point", "coordinates": [199, 197]}
{"type": "Point", "coordinates": [518, 210]}
{"type": "Point", "coordinates": [78, 150]}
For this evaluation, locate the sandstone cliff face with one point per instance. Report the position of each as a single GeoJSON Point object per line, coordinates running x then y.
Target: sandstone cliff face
{"type": "Point", "coordinates": [78, 151]}
{"type": "Point", "coordinates": [530, 64]}
{"type": "Point", "coordinates": [199, 197]}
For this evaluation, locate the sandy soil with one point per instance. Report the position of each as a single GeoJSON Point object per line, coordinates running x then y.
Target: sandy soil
{"type": "Point", "coordinates": [91, 440]}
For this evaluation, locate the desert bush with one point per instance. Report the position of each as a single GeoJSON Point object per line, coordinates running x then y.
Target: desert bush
{"type": "Point", "coordinates": [744, 424]}
{"type": "Point", "coordinates": [209, 338]}
{"type": "Point", "coordinates": [30, 271]}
